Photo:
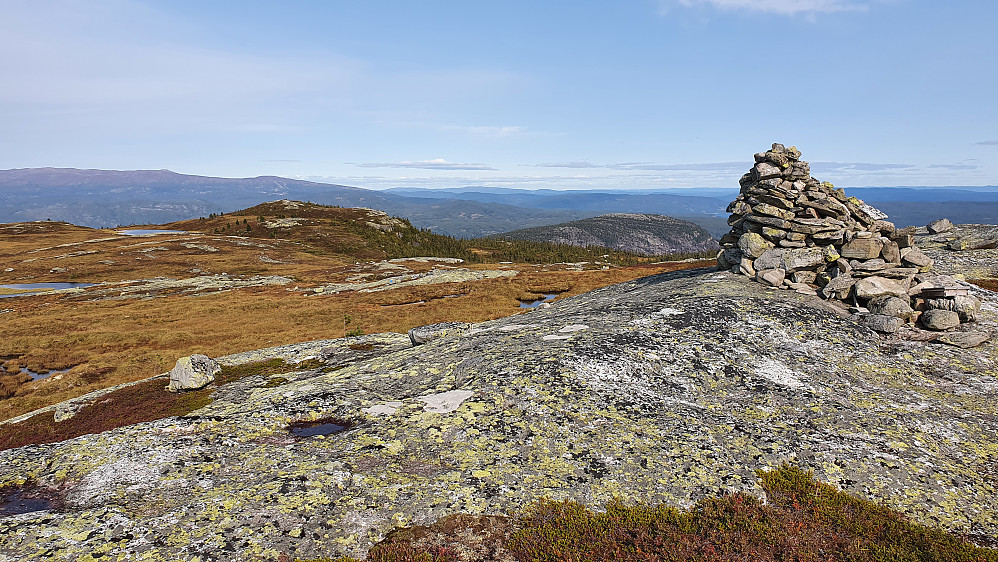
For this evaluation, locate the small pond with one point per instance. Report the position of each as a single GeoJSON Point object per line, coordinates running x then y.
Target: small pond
{"type": "Point", "coordinates": [37, 376]}
{"type": "Point", "coordinates": [37, 287]}
{"type": "Point", "coordinates": [534, 304]}
{"type": "Point", "coordinates": [147, 232]}
{"type": "Point", "coordinates": [25, 500]}
{"type": "Point", "coordinates": [326, 426]}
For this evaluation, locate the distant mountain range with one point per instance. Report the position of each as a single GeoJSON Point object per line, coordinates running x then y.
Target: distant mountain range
{"type": "Point", "coordinates": [109, 198]}
{"type": "Point", "coordinates": [632, 232]}
{"type": "Point", "coordinates": [99, 198]}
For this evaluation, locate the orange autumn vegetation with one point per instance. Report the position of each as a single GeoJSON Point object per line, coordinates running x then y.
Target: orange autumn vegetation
{"type": "Point", "coordinates": [110, 340]}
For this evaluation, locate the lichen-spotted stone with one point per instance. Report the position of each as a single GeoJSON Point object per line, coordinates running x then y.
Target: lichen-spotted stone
{"type": "Point", "coordinates": [679, 386]}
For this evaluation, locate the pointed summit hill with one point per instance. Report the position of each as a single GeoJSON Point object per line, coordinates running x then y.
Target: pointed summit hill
{"type": "Point", "coordinates": [645, 234]}
{"type": "Point", "coordinates": [665, 390]}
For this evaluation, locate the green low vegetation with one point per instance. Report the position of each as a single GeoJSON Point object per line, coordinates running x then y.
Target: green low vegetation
{"type": "Point", "coordinates": [801, 520]}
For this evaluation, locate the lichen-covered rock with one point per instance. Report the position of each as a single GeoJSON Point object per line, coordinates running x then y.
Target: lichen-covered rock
{"type": "Point", "coordinates": [936, 319]}
{"type": "Point", "coordinates": [883, 323]}
{"type": "Point", "coordinates": [661, 390]}
{"type": "Point", "coordinates": [891, 305]}
{"type": "Point", "coordinates": [819, 239]}
{"type": "Point", "coordinates": [193, 372]}
{"type": "Point", "coordinates": [939, 226]}
{"type": "Point", "coordinates": [430, 332]}
{"type": "Point", "coordinates": [753, 245]}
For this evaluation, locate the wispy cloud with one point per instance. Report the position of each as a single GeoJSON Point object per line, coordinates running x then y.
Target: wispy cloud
{"type": "Point", "coordinates": [435, 164]}
{"type": "Point", "coordinates": [955, 166]}
{"type": "Point", "coordinates": [987, 143]}
{"type": "Point", "coordinates": [651, 166]}
{"type": "Point", "coordinates": [828, 167]}
{"type": "Point", "coordinates": [783, 7]}
{"type": "Point", "coordinates": [487, 131]}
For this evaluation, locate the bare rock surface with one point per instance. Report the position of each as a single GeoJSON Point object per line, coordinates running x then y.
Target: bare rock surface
{"type": "Point", "coordinates": [664, 390]}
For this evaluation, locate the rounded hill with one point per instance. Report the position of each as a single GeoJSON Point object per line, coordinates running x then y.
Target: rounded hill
{"type": "Point", "coordinates": [646, 234]}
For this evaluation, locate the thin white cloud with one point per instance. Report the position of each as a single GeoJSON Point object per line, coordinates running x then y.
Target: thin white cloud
{"type": "Point", "coordinates": [987, 143]}
{"type": "Point", "coordinates": [435, 164]}
{"type": "Point", "coordinates": [831, 167]}
{"type": "Point", "coordinates": [486, 131]}
{"type": "Point", "coordinates": [956, 166]}
{"type": "Point", "coordinates": [652, 167]}
{"type": "Point", "coordinates": [782, 7]}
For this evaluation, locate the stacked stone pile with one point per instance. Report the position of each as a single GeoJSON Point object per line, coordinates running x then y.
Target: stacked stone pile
{"type": "Point", "coordinates": [789, 230]}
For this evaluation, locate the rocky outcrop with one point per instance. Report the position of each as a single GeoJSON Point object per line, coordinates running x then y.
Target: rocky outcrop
{"type": "Point", "coordinates": [663, 390]}
{"type": "Point", "coordinates": [789, 230]}
{"type": "Point", "coordinates": [423, 334]}
{"type": "Point", "coordinates": [193, 372]}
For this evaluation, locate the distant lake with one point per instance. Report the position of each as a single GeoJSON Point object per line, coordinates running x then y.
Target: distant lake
{"type": "Point", "coordinates": [141, 232]}
{"type": "Point", "coordinates": [36, 287]}
{"type": "Point", "coordinates": [536, 303]}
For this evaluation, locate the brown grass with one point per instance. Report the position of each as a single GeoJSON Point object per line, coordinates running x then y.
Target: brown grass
{"type": "Point", "coordinates": [114, 341]}
{"type": "Point", "coordinates": [989, 284]}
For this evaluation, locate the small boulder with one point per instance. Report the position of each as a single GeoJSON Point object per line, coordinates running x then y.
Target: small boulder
{"type": "Point", "coordinates": [915, 257]}
{"type": "Point", "coordinates": [753, 245]}
{"type": "Point", "coordinates": [771, 277]}
{"type": "Point", "coordinates": [939, 320]}
{"type": "Point", "coordinates": [891, 305]}
{"type": "Point", "coordinates": [876, 286]}
{"type": "Point", "coordinates": [803, 258]}
{"type": "Point", "coordinates": [770, 259]}
{"type": "Point", "coordinates": [862, 248]}
{"type": "Point", "coordinates": [193, 372]}
{"type": "Point", "coordinates": [883, 323]}
{"type": "Point", "coordinates": [939, 226]}
{"type": "Point", "coordinates": [838, 287]}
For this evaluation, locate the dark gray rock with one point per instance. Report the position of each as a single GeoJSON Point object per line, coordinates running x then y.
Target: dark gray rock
{"type": "Point", "coordinates": [770, 259]}
{"type": "Point", "coordinates": [883, 323]}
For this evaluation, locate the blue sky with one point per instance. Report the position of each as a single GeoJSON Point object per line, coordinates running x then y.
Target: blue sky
{"type": "Point", "coordinates": [626, 94]}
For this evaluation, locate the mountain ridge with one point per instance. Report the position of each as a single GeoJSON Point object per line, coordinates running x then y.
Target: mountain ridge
{"type": "Point", "coordinates": [642, 233]}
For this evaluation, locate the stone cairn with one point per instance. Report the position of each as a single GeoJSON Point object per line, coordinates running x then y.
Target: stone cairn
{"type": "Point", "coordinates": [788, 230]}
